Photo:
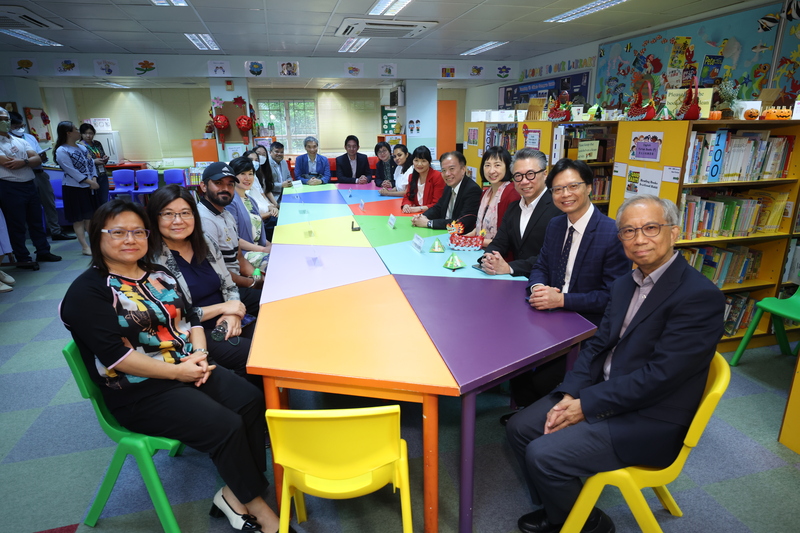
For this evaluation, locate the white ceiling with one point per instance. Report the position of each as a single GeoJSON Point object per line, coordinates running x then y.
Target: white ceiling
{"type": "Point", "coordinates": [306, 28]}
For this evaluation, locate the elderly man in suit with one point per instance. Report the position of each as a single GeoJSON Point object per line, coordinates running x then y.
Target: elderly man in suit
{"type": "Point", "coordinates": [352, 167]}
{"type": "Point", "coordinates": [459, 201]}
{"type": "Point", "coordinates": [636, 384]}
{"type": "Point", "coordinates": [521, 232]}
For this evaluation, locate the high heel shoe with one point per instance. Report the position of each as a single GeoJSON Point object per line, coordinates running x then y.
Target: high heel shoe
{"type": "Point", "coordinates": [242, 522]}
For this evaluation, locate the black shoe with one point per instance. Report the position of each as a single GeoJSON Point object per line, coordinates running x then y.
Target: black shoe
{"type": "Point", "coordinates": [48, 257]}
{"type": "Point", "coordinates": [598, 522]}
{"type": "Point", "coordinates": [537, 522]}
{"type": "Point", "coordinates": [62, 237]}
{"type": "Point", "coordinates": [28, 265]}
{"type": "Point", "coordinates": [505, 417]}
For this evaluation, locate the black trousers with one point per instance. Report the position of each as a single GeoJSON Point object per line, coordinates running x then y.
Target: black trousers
{"type": "Point", "coordinates": [23, 210]}
{"type": "Point", "coordinates": [233, 353]}
{"type": "Point", "coordinates": [224, 418]}
{"type": "Point", "coordinates": [251, 298]}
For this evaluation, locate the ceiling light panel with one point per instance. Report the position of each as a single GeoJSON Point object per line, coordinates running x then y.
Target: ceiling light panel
{"type": "Point", "coordinates": [353, 44]}
{"type": "Point", "coordinates": [202, 41]}
{"type": "Point", "coordinates": [491, 45]}
{"type": "Point", "coordinates": [30, 38]}
{"type": "Point", "coordinates": [588, 9]}
{"type": "Point", "coordinates": [168, 3]}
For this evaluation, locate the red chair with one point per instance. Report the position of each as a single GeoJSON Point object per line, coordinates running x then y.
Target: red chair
{"type": "Point", "coordinates": [123, 182]}
{"type": "Point", "coordinates": [147, 182]}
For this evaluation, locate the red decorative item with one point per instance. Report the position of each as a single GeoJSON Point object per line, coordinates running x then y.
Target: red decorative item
{"type": "Point", "coordinates": [221, 123]}
{"type": "Point", "coordinates": [45, 118]}
{"type": "Point", "coordinates": [559, 112]}
{"type": "Point", "coordinates": [463, 242]}
{"type": "Point", "coordinates": [244, 123]}
{"type": "Point", "coordinates": [239, 102]}
{"type": "Point", "coordinates": [690, 109]}
{"type": "Point", "coordinates": [637, 112]}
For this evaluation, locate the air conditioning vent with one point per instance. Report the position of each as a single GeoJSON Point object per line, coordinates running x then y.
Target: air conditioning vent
{"type": "Point", "coordinates": [19, 18]}
{"type": "Point", "coordinates": [396, 29]}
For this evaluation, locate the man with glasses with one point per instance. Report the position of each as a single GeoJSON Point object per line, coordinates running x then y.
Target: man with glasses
{"type": "Point", "coordinates": [516, 246]}
{"type": "Point", "coordinates": [636, 385]}
{"type": "Point", "coordinates": [459, 201]}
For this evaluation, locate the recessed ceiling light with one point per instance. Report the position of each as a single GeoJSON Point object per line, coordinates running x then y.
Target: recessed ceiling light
{"type": "Point", "coordinates": [31, 38]}
{"type": "Point", "coordinates": [388, 7]}
{"type": "Point", "coordinates": [353, 44]}
{"type": "Point", "coordinates": [582, 11]}
{"type": "Point", "coordinates": [331, 85]}
{"type": "Point", "coordinates": [483, 48]}
{"type": "Point", "coordinates": [203, 41]}
{"type": "Point", "coordinates": [115, 85]}
{"type": "Point", "coordinates": [176, 3]}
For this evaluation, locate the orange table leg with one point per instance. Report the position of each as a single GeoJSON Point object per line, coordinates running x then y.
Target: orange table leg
{"type": "Point", "coordinates": [284, 393]}
{"type": "Point", "coordinates": [430, 445]}
{"type": "Point", "coordinates": [273, 399]}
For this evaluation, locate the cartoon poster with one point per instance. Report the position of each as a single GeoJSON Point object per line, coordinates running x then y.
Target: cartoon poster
{"type": "Point", "coordinates": [145, 67]}
{"type": "Point", "coordinates": [106, 67]}
{"type": "Point", "coordinates": [67, 67]}
{"type": "Point", "coordinates": [25, 66]}
{"type": "Point", "coordinates": [680, 45]}
{"type": "Point", "coordinates": [477, 71]}
{"type": "Point", "coordinates": [472, 136]}
{"type": "Point", "coordinates": [646, 146]}
{"type": "Point", "coordinates": [354, 70]}
{"type": "Point", "coordinates": [288, 69]}
{"type": "Point", "coordinates": [712, 67]}
{"type": "Point", "coordinates": [387, 70]}
{"type": "Point", "coordinates": [219, 68]}
{"type": "Point", "coordinates": [253, 69]}
{"type": "Point", "coordinates": [414, 127]}
{"type": "Point", "coordinates": [448, 71]}
{"type": "Point", "coordinates": [642, 181]}
{"type": "Point", "coordinates": [786, 73]}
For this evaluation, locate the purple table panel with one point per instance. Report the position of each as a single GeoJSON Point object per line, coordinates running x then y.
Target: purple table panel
{"type": "Point", "coordinates": [314, 197]}
{"type": "Point", "coordinates": [357, 186]}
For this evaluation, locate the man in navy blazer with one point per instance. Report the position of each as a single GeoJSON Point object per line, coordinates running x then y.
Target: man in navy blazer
{"type": "Point", "coordinates": [637, 383]}
{"type": "Point", "coordinates": [344, 167]}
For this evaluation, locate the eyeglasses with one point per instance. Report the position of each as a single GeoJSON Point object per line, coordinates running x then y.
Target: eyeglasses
{"type": "Point", "coordinates": [170, 215]}
{"type": "Point", "coordinates": [529, 175]}
{"type": "Point", "coordinates": [572, 187]}
{"type": "Point", "coordinates": [119, 233]}
{"type": "Point", "coordinates": [648, 230]}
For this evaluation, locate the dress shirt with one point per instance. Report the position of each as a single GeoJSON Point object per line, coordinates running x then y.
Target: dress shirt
{"type": "Point", "coordinates": [353, 165]}
{"type": "Point", "coordinates": [527, 212]}
{"type": "Point", "coordinates": [643, 287]}
{"type": "Point", "coordinates": [580, 229]}
{"type": "Point", "coordinates": [420, 192]}
{"type": "Point", "coordinates": [15, 148]}
{"type": "Point", "coordinates": [312, 166]}
{"type": "Point", "coordinates": [452, 203]}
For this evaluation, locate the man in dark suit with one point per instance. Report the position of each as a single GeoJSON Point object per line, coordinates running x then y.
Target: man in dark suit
{"type": "Point", "coordinates": [352, 167]}
{"type": "Point", "coordinates": [637, 383]}
{"type": "Point", "coordinates": [460, 200]}
{"type": "Point", "coordinates": [521, 232]}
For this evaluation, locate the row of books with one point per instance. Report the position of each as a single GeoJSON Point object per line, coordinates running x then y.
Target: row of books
{"type": "Point", "coordinates": [738, 215]}
{"type": "Point", "coordinates": [734, 264]}
{"type": "Point", "coordinates": [601, 189]}
{"type": "Point", "coordinates": [739, 309]}
{"type": "Point", "coordinates": [743, 155]}
{"type": "Point", "coordinates": [504, 135]}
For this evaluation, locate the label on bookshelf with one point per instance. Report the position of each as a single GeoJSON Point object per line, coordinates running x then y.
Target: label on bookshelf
{"type": "Point", "coordinates": [642, 180]}
{"type": "Point", "coordinates": [671, 174]}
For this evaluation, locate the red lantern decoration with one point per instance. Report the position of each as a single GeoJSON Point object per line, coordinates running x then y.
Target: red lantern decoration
{"type": "Point", "coordinates": [244, 123]}
{"type": "Point", "coordinates": [221, 123]}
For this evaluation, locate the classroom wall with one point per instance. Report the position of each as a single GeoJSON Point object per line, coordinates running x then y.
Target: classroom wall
{"type": "Point", "coordinates": [460, 96]}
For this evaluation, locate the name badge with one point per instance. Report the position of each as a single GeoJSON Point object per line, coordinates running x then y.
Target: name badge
{"type": "Point", "coordinates": [391, 221]}
{"type": "Point", "coordinates": [417, 243]}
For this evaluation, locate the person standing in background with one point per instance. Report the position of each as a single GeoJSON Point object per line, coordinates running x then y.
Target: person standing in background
{"type": "Point", "coordinates": [100, 159]}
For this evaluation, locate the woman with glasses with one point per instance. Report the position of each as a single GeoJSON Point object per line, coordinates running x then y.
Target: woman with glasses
{"type": "Point", "coordinates": [402, 172]}
{"type": "Point", "coordinates": [425, 186]}
{"type": "Point", "coordinates": [384, 169]}
{"type": "Point", "coordinates": [495, 169]}
{"type": "Point", "coordinates": [143, 346]}
{"type": "Point", "coordinates": [79, 182]}
{"type": "Point", "coordinates": [178, 243]}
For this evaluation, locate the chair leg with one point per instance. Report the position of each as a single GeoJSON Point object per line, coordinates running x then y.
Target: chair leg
{"type": "Point", "coordinates": [106, 486]}
{"type": "Point", "coordinates": [178, 450]}
{"type": "Point", "coordinates": [780, 334]}
{"type": "Point", "coordinates": [156, 490]}
{"type": "Point", "coordinates": [667, 501]}
{"type": "Point", "coordinates": [300, 506]}
{"type": "Point", "coordinates": [405, 496]}
{"type": "Point", "coordinates": [583, 506]}
{"type": "Point", "coordinates": [286, 507]}
{"type": "Point", "coordinates": [638, 505]}
{"type": "Point", "coordinates": [746, 339]}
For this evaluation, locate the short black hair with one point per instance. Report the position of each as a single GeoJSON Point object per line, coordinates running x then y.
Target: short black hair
{"type": "Point", "coordinates": [455, 153]}
{"type": "Point", "coordinates": [497, 152]}
{"type": "Point", "coordinates": [583, 170]}
{"type": "Point", "coordinates": [108, 211]}
{"type": "Point", "coordinates": [382, 145]}
{"type": "Point", "coordinates": [351, 138]}
{"type": "Point", "coordinates": [15, 117]}
{"type": "Point", "coordinates": [276, 145]}
{"type": "Point", "coordinates": [242, 164]}
{"type": "Point", "coordinates": [86, 127]}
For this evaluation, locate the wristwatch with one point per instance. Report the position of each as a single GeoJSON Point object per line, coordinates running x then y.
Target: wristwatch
{"type": "Point", "coordinates": [430, 223]}
{"type": "Point", "coordinates": [26, 161]}
{"type": "Point", "coordinates": [199, 312]}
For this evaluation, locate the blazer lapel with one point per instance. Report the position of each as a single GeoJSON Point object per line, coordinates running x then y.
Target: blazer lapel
{"type": "Point", "coordinates": [546, 200]}
{"type": "Point", "coordinates": [586, 243]}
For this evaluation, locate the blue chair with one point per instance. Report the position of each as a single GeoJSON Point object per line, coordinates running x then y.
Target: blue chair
{"type": "Point", "coordinates": [146, 181]}
{"type": "Point", "coordinates": [175, 175]}
{"type": "Point", "coordinates": [123, 182]}
{"type": "Point", "coordinates": [58, 193]}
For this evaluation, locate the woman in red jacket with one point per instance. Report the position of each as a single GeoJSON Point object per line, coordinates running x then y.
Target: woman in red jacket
{"type": "Point", "coordinates": [426, 184]}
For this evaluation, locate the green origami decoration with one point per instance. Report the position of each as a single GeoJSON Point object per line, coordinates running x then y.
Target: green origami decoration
{"type": "Point", "coordinates": [436, 247]}
{"type": "Point", "coordinates": [454, 262]}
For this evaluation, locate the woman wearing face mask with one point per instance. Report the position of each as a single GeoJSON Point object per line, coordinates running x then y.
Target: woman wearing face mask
{"type": "Point", "coordinates": [267, 206]}
{"type": "Point", "coordinates": [272, 187]}
{"type": "Point", "coordinates": [79, 182]}
{"type": "Point", "coordinates": [253, 242]}
{"type": "Point", "coordinates": [310, 167]}
{"type": "Point", "coordinates": [100, 159]}
{"type": "Point", "coordinates": [402, 172]}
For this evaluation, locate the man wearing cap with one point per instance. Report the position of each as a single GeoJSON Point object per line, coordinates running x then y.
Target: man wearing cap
{"type": "Point", "coordinates": [220, 226]}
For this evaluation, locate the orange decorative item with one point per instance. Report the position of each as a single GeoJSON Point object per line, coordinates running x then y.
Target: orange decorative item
{"type": "Point", "coordinates": [715, 115]}
{"type": "Point", "coordinates": [690, 109]}
{"type": "Point", "coordinates": [783, 113]}
{"type": "Point", "coordinates": [751, 114]}
{"type": "Point", "coordinates": [770, 114]}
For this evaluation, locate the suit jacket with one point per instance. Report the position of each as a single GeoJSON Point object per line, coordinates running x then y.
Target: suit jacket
{"type": "Point", "coordinates": [524, 249]}
{"type": "Point", "coordinates": [600, 261]}
{"type": "Point", "coordinates": [434, 188]}
{"type": "Point", "coordinates": [280, 171]}
{"type": "Point", "coordinates": [659, 367]}
{"type": "Point", "coordinates": [345, 174]}
{"type": "Point", "coordinates": [379, 173]}
{"type": "Point", "coordinates": [301, 168]}
{"type": "Point", "coordinates": [467, 202]}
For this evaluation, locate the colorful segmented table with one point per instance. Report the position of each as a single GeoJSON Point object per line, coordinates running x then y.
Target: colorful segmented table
{"type": "Point", "coordinates": [321, 268]}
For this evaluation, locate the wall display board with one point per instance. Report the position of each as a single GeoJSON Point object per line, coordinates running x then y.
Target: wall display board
{"type": "Point", "coordinates": [736, 46]}
{"type": "Point", "coordinates": [785, 74]}
{"type": "Point", "coordinates": [577, 85]}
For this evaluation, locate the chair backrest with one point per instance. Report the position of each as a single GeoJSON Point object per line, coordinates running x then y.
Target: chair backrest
{"type": "Point", "coordinates": [122, 176]}
{"type": "Point", "coordinates": [146, 177]}
{"type": "Point", "coordinates": [175, 175]}
{"type": "Point", "coordinates": [91, 391]}
{"type": "Point", "coordinates": [336, 443]}
{"type": "Point", "coordinates": [719, 376]}
{"type": "Point", "coordinates": [57, 184]}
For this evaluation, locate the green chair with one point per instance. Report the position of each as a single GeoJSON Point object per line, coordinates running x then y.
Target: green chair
{"type": "Point", "coordinates": [780, 309]}
{"type": "Point", "coordinates": [142, 447]}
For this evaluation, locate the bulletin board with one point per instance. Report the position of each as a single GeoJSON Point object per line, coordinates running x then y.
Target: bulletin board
{"type": "Point", "coordinates": [577, 85]}
{"type": "Point", "coordinates": [737, 46]}
{"type": "Point", "coordinates": [38, 124]}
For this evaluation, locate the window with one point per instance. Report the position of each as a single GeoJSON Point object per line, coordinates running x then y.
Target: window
{"type": "Point", "coordinates": [294, 120]}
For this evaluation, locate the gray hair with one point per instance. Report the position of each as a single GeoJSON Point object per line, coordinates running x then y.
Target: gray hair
{"type": "Point", "coordinates": [531, 153]}
{"type": "Point", "coordinates": [310, 139]}
{"type": "Point", "coordinates": [3, 109]}
{"type": "Point", "coordinates": [670, 210]}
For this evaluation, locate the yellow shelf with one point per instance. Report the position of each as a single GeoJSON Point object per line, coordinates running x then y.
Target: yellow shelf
{"type": "Point", "coordinates": [748, 285]}
{"type": "Point", "coordinates": [759, 183]}
{"type": "Point", "coordinates": [711, 240]}
{"type": "Point", "coordinates": [600, 202]}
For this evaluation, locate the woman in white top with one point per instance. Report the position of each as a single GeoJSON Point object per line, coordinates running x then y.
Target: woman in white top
{"type": "Point", "coordinates": [402, 173]}
{"type": "Point", "coordinates": [79, 182]}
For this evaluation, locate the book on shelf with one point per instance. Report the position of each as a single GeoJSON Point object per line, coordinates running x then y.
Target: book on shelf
{"type": "Point", "coordinates": [736, 311]}
{"type": "Point", "coordinates": [743, 155]}
{"type": "Point", "coordinates": [784, 293]}
{"type": "Point", "coordinates": [791, 271]}
{"type": "Point", "coordinates": [741, 214]}
{"type": "Point", "coordinates": [504, 135]}
{"type": "Point", "coordinates": [734, 264]}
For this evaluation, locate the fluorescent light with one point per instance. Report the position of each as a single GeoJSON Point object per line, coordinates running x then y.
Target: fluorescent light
{"type": "Point", "coordinates": [31, 38]}
{"type": "Point", "coordinates": [163, 3]}
{"type": "Point", "coordinates": [353, 44]}
{"type": "Point", "coordinates": [588, 9]}
{"type": "Point", "coordinates": [388, 7]}
{"type": "Point", "coordinates": [331, 85]}
{"type": "Point", "coordinates": [491, 45]}
{"type": "Point", "coordinates": [115, 85]}
{"type": "Point", "coordinates": [202, 41]}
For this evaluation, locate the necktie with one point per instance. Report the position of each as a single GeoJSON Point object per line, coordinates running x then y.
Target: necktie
{"type": "Point", "coordinates": [561, 271]}
{"type": "Point", "coordinates": [451, 205]}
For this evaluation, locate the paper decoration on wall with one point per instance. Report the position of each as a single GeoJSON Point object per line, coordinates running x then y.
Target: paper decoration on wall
{"type": "Point", "coordinates": [288, 69]}
{"type": "Point", "coordinates": [354, 70]}
{"type": "Point", "coordinates": [503, 72]}
{"type": "Point", "coordinates": [25, 66]}
{"type": "Point", "coordinates": [387, 70]}
{"type": "Point", "coordinates": [476, 71]}
{"type": "Point", "coordinates": [472, 137]}
{"type": "Point", "coordinates": [414, 127]}
{"type": "Point", "coordinates": [38, 123]}
{"type": "Point", "coordinates": [239, 102]}
{"type": "Point", "coordinates": [219, 68]}
{"type": "Point", "coordinates": [253, 69]}
{"type": "Point", "coordinates": [106, 67]}
{"type": "Point", "coordinates": [563, 66]}
{"type": "Point", "coordinates": [447, 71]}
{"type": "Point", "coordinates": [646, 145]}
{"type": "Point", "coordinates": [216, 102]}
{"type": "Point", "coordinates": [67, 67]}
{"type": "Point", "coordinates": [145, 67]}
{"type": "Point", "coordinates": [101, 125]}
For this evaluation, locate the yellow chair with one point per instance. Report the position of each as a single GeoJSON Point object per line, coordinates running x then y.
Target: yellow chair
{"type": "Point", "coordinates": [633, 479]}
{"type": "Point", "coordinates": [339, 454]}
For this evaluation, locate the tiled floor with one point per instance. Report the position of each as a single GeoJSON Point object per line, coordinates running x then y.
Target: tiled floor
{"type": "Point", "coordinates": [53, 454]}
